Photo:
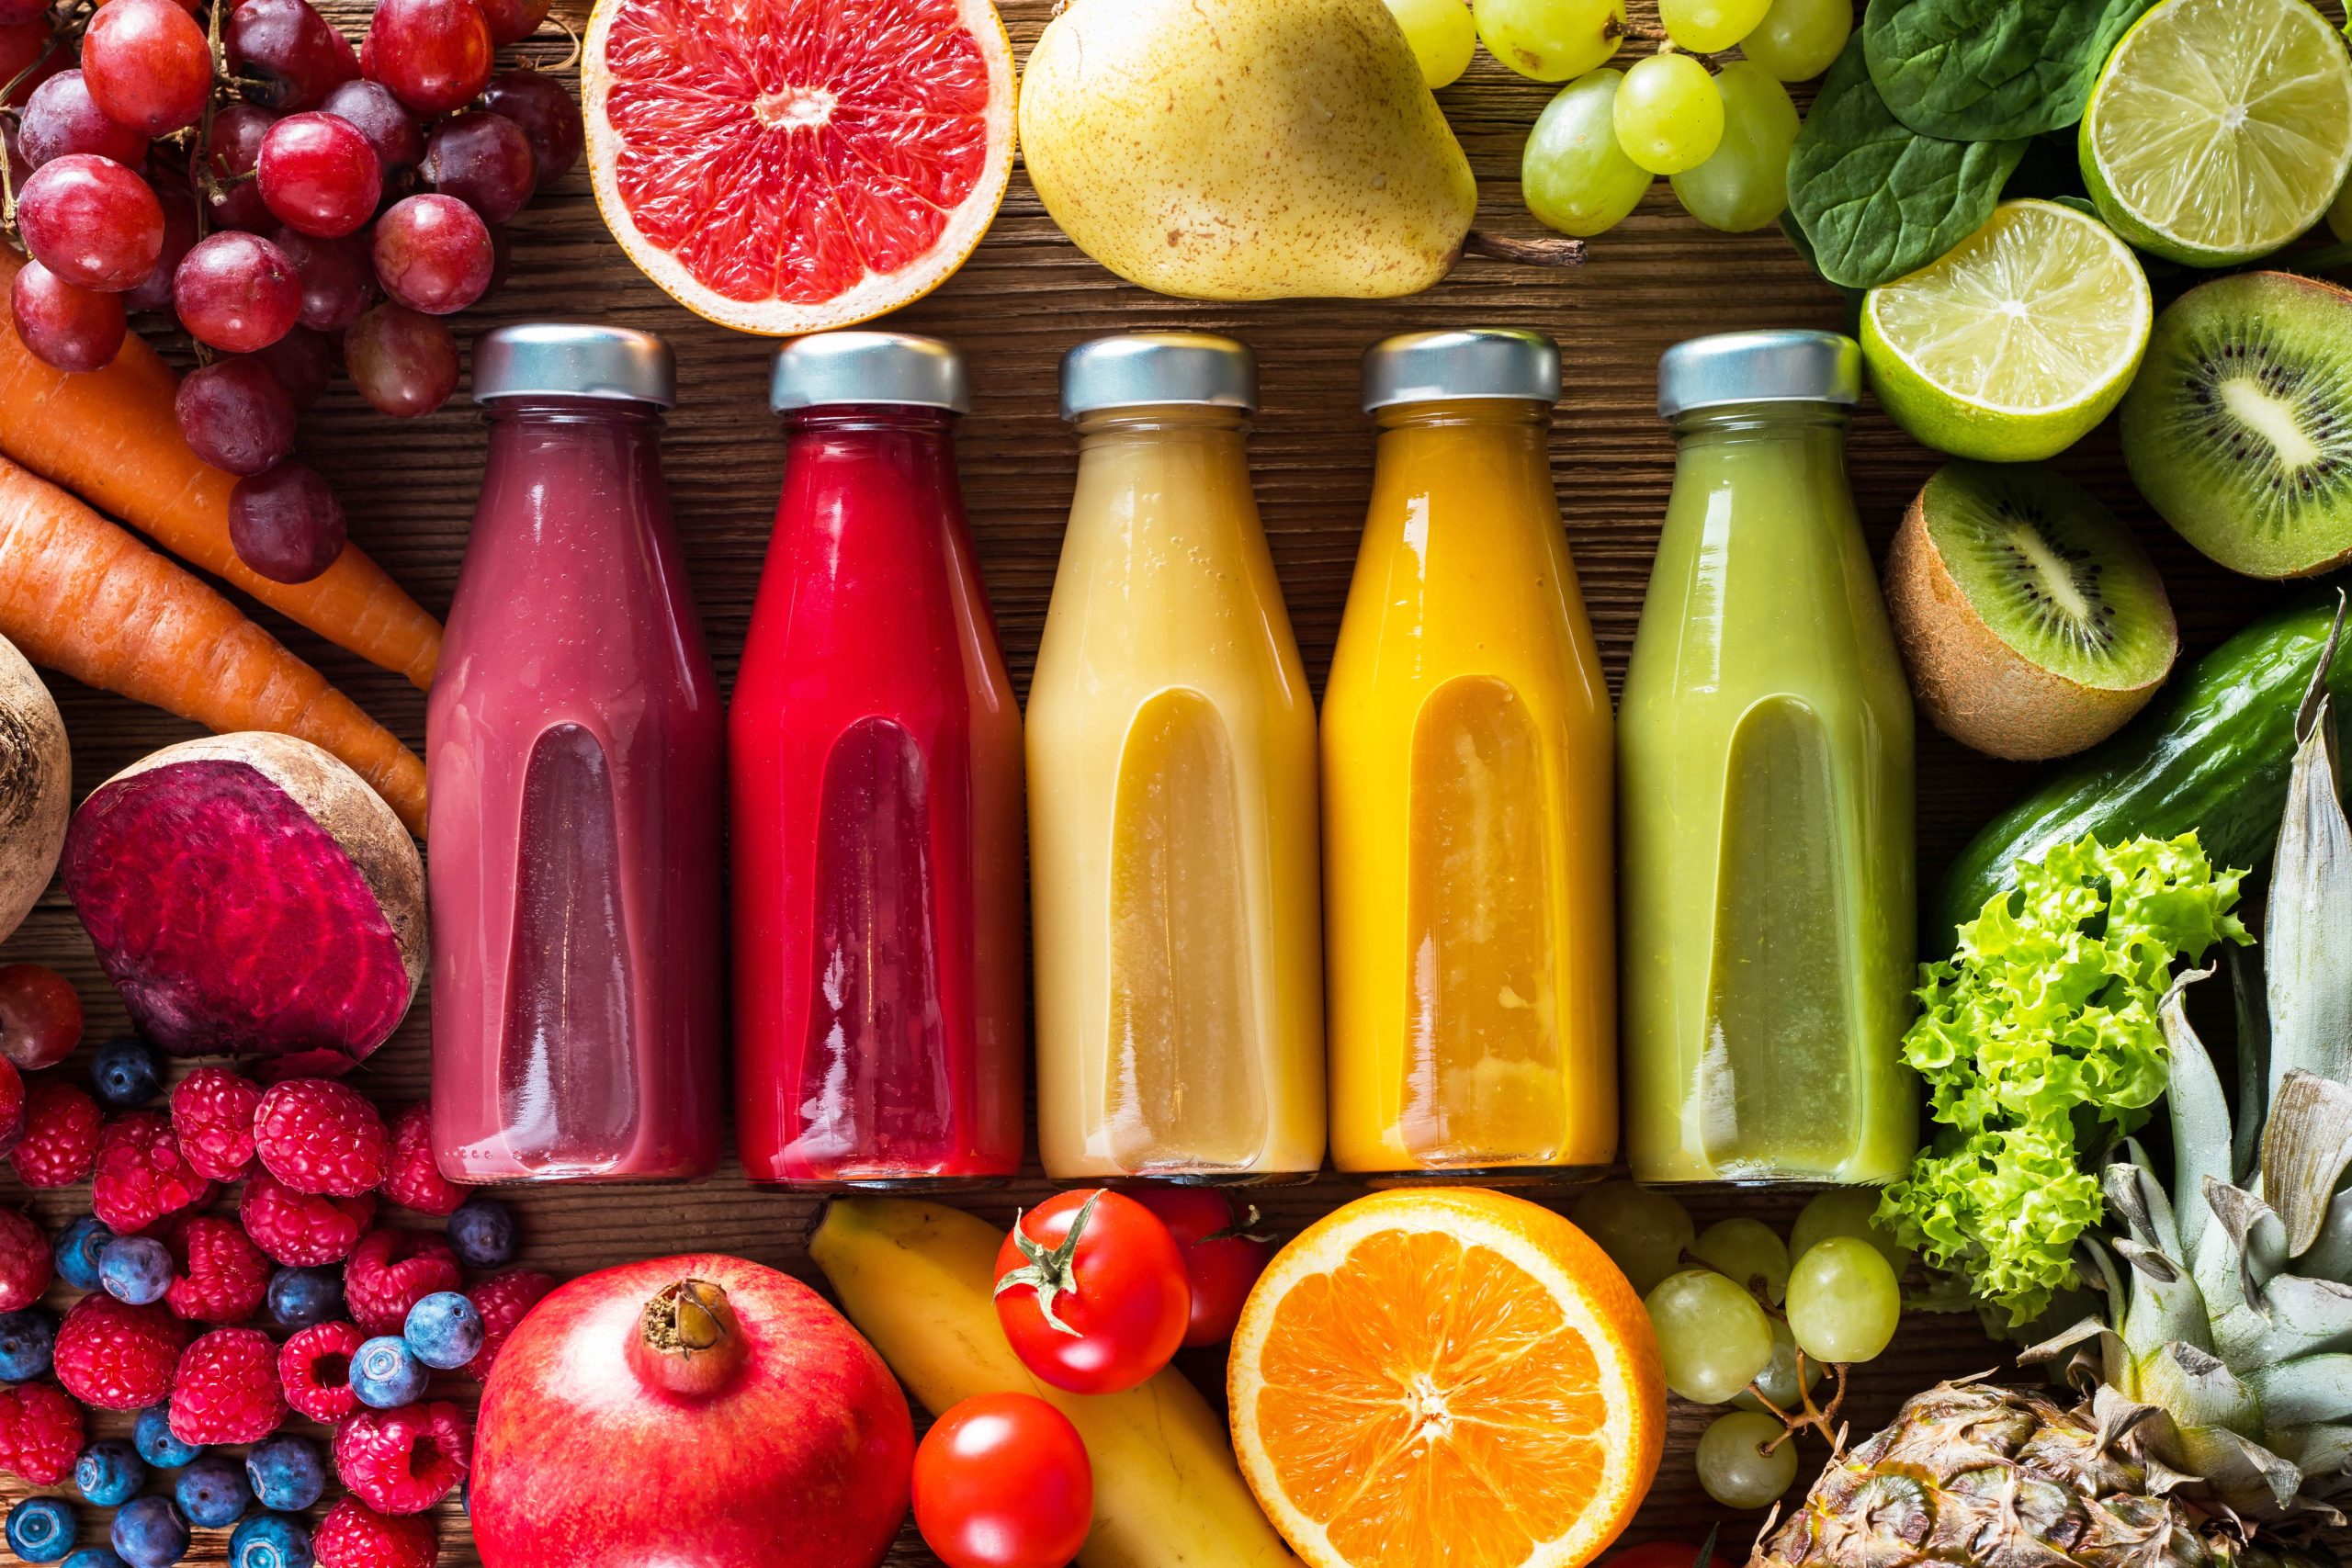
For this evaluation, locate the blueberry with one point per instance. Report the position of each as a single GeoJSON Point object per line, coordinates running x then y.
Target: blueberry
{"type": "Point", "coordinates": [77, 1251]}
{"type": "Point", "coordinates": [156, 1444]}
{"type": "Point", "coordinates": [385, 1372]}
{"type": "Point", "coordinates": [110, 1473]}
{"type": "Point", "coordinates": [444, 1330]}
{"type": "Point", "coordinates": [482, 1233]}
{"type": "Point", "coordinates": [27, 1339]}
{"type": "Point", "coordinates": [271, 1540]}
{"type": "Point", "coordinates": [287, 1471]}
{"type": "Point", "coordinates": [300, 1297]}
{"type": "Point", "coordinates": [149, 1532]}
{"type": "Point", "coordinates": [94, 1557]}
{"type": "Point", "coordinates": [123, 1073]}
{"type": "Point", "coordinates": [135, 1268]}
{"type": "Point", "coordinates": [212, 1492]}
{"type": "Point", "coordinates": [40, 1530]}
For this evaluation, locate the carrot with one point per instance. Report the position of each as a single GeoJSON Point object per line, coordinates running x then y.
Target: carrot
{"type": "Point", "coordinates": [110, 437]}
{"type": "Point", "coordinates": [80, 595]}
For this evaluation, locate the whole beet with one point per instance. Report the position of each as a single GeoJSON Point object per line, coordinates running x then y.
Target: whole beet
{"type": "Point", "coordinates": [701, 1409]}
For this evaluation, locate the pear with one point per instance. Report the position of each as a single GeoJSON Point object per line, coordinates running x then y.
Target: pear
{"type": "Point", "coordinates": [1245, 149]}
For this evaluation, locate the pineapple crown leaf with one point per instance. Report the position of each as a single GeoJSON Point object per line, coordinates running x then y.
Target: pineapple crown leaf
{"type": "Point", "coordinates": [2254, 1236]}
{"type": "Point", "coordinates": [2201, 1120]}
{"type": "Point", "coordinates": [2310, 960]}
{"type": "Point", "coordinates": [2134, 1197]}
{"type": "Point", "coordinates": [2253, 1010]}
{"type": "Point", "coordinates": [2304, 1150]}
{"type": "Point", "coordinates": [2306, 1390]}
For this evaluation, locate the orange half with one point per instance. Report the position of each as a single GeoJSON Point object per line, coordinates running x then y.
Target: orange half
{"type": "Point", "coordinates": [1446, 1378]}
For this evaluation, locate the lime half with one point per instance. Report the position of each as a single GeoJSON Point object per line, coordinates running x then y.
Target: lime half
{"type": "Point", "coordinates": [2219, 130]}
{"type": "Point", "coordinates": [2015, 343]}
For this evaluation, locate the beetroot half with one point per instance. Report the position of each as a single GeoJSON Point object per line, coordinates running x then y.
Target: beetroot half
{"type": "Point", "coordinates": [250, 894]}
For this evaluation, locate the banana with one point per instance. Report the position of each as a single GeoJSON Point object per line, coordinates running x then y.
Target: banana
{"type": "Point", "coordinates": [917, 1279]}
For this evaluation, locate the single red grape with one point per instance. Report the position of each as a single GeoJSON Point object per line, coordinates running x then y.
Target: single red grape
{"type": "Point", "coordinates": [303, 362]}
{"type": "Point", "coordinates": [435, 54]}
{"type": "Point", "coordinates": [512, 21]}
{"type": "Point", "coordinates": [389, 126]}
{"type": "Point", "coordinates": [234, 416]}
{"type": "Point", "coordinates": [40, 1016]}
{"type": "Point", "coordinates": [319, 174]}
{"type": "Point", "coordinates": [483, 160]}
{"type": "Point", "coordinates": [25, 47]}
{"type": "Point", "coordinates": [550, 119]}
{"type": "Point", "coordinates": [286, 524]}
{"type": "Point", "coordinates": [286, 55]}
{"type": "Point", "coordinates": [235, 290]}
{"type": "Point", "coordinates": [433, 254]}
{"type": "Point", "coordinates": [338, 276]}
{"type": "Point", "coordinates": [72, 329]}
{"type": "Point", "coordinates": [60, 118]}
{"type": "Point", "coordinates": [148, 65]}
{"type": "Point", "coordinates": [154, 292]}
{"type": "Point", "coordinates": [404, 363]}
{"type": "Point", "coordinates": [91, 221]}
{"type": "Point", "coordinates": [235, 196]}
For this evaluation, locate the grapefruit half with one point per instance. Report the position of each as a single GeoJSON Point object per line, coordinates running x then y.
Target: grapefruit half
{"type": "Point", "coordinates": [786, 167]}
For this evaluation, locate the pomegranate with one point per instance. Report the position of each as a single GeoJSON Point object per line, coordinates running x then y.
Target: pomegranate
{"type": "Point", "coordinates": [699, 1409]}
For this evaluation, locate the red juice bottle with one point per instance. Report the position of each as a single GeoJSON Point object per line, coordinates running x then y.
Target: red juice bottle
{"type": "Point", "coordinates": [573, 748]}
{"type": "Point", "coordinates": [875, 759]}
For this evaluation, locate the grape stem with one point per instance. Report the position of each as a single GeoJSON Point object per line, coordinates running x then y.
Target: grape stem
{"type": "Point", "coordinates": [1821, 1418]}
{"type": "Point", "coordinates": [1554, 251]}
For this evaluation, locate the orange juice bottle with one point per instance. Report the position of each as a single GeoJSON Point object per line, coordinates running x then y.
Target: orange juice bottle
{"type": "Point", "coordinates": [1467, 786]}
{"type": "Point", "coordinates": [1171, 819]}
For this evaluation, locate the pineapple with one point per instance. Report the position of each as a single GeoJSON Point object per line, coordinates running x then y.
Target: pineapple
{"type": "Point", "coordinates": [2219, 1382]}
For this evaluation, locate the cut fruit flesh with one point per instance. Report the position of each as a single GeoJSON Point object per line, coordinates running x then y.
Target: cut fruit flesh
{"type": "Point", "coordinates": [786, 167]}
{"type": "Point", "coordinates": [2040, 311]}
{"type": "Point", "coordinates": [2220, 130]}
{"type": "Point", "coordinates": [2239, 428]}
{"type": "Point", "coordinates": [1446, 1376]}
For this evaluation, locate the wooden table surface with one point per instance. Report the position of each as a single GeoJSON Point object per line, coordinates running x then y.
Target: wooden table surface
{"type": "Point", "coordinates": [1026, 296]}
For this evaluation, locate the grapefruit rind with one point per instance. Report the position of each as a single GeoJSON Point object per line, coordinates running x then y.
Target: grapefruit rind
{"type": "Point", "coordinates": [878, 293]}
{"type": "Point", "coordinates": [1591, 1294]}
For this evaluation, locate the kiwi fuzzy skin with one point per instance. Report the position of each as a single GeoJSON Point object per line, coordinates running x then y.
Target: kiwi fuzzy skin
{"type": "Point", "coordinates": [1976, 688]}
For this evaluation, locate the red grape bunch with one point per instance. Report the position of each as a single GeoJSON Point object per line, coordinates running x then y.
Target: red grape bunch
{"type": "Point", "coordinates": [295, 206]}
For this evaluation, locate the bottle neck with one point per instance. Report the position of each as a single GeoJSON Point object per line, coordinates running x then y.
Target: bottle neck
{"type": "Point", "coordinates": [1186, 424]}
{"type": "Point", "coordinates": [1738, 424]}
{"type": "Point", "coordinates": [869, 454]}
{"type": "Point", "coordinates": [575, 462]}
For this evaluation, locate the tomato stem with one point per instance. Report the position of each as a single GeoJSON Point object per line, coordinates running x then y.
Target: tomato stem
{"type": "Point", "coordinates": [1049, 1272]}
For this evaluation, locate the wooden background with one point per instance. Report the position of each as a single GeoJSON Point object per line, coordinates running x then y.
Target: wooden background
{"type": "Point", "coordinates": [1025, 297]}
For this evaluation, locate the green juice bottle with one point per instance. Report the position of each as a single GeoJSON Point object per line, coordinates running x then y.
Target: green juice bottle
{"type": "Point", "coordinates": [1765, 782]}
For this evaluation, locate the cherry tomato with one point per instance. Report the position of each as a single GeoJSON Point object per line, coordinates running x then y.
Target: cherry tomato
{"type": "Point", "coordinates": [1667, 1554]}
{"type": "Point", "coordinates": [1090, 1289]}
{"type": "Point", "coordinates": [41, 1017]}
{"type": "Point", "coordinates": [1224, 1254]}
{"type": "Point", "coordinates": [1003, 1481]}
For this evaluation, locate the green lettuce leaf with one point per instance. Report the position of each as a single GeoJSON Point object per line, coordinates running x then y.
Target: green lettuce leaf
{"type": "Point", "coordinates": [2041, 1033]}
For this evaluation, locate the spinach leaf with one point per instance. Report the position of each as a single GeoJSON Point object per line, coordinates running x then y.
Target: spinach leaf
{"type": "Point", "coordinates": [1876, 200]}
{"type": "Point", "coordinates": [1987, 70]}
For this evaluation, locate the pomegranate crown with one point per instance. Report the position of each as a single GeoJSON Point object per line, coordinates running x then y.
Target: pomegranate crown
{"type": "Point", "coordinates": [688, 1338]}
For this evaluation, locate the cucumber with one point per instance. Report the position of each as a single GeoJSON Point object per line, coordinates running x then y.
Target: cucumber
{"type": "Point", "coordinates": [2213, 757]}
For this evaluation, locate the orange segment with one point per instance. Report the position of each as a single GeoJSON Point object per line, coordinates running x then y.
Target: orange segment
{"type": "Point", "coordinates": [1446, 1378]}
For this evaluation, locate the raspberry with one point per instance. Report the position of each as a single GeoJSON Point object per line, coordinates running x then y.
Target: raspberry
{"type": "Point", "coordinates": [41, 1433]}
{"type": "Point", "coordinates": [220, 1277]}
{"type": "Point", "coordinates": [227, 1390]}
{"type": "Point", "coordinates": [212, 1110]}
{"type": "Point", "coordinates": [26, 1264]}
{"type": "Point", "coordinates": [113, 1356]}
{"type": "Point", "coordinates": [12, 1105]}
{"type": "Point", "coordinates": [318, 1136]}
{"type": "Point", "coordinates": [60, 1137]}
{"type": "Point", "coordinates": [414, 1181]}
{"type": "Point", "coordinates": [391, 1272]}
{"type": "Point", "coordinates": [404, 1460]}
{"type": "Point", "coordinates": [303, 1230]}
{"type": "Point", "coordinates": [354, 1535]}
{"type": "Point", "coordinates": [504, 1300]}
{"type": "Point", "coordinates": [315, 1368]}
{"type": "Point", "coordinates": [141, 1175]}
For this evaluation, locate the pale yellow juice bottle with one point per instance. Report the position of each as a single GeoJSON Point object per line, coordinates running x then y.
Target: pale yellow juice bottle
{"type": "Point", "coordinates": [1467, 787]}
{"type": "Point", "coordinates": [1173, 812]}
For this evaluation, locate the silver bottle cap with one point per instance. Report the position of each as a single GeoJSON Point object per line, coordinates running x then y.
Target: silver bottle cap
{"type": "Point", "coordinates": [868, 367]}
{"type": "Point", "coordinates": [1420, 368]}
{"type": "Point", "coordinates": [573, 359]}
{"type": "Point", "coordinates": [1760, 367]}
{"type": "Point", "coordinates": [1138, 369]}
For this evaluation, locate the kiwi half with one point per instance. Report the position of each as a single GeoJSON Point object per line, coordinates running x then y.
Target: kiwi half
{"type": "Point", "coordinates": [2239, 427]}
{"type": "Point", "coordinates": [2032, 622]}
